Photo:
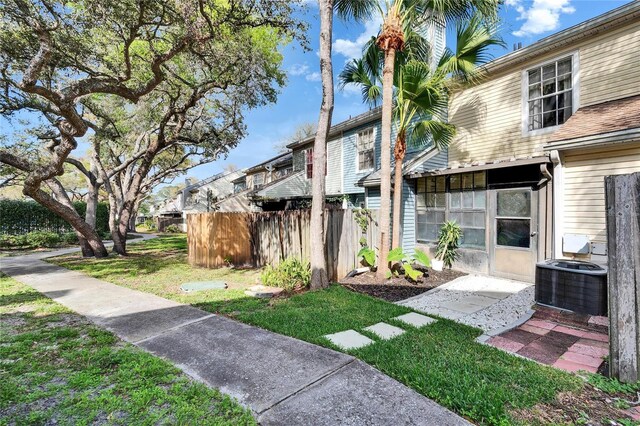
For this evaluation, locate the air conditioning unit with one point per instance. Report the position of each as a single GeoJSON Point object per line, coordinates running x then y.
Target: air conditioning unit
{"type": "Point", "coordinates": [574, 285]}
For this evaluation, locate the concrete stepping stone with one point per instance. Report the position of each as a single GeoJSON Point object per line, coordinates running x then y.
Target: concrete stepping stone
{"type": "Point", "coordinates": [349, 339]}
{"type": "Point", "coordinates": [385, 331]}
{"type": "Point", "coordinates": [262, 291]}
{"type": "Point", "coordinates": [415, 319]}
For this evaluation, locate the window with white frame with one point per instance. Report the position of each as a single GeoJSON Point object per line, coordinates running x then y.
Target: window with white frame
{"type": "Point", "coordinates": [550, 94]}
{"type": "Point", "coordinates": [258, 180]}
{"type": "Point", "coordinates": [366, 149]}
{"type": "Point", "coordinates": [458, 197]}
{"type": "Point", "coordinates": [308, 155]}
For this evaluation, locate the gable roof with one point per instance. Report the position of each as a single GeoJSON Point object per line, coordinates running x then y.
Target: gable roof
{"type": "Point", "coordinates": [608, 21]}
{"type": "Point", "coordinates": [278, 160]}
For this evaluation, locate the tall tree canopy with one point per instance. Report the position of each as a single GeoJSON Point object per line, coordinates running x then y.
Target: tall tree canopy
{"type": "Point", "coordinates": [172, 75]}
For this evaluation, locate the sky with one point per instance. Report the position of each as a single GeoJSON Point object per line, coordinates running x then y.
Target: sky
{"type": "Point", "coordinates": [524, 21]}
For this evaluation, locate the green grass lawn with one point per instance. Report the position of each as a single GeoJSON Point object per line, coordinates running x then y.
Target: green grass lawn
{"type": "Point", "coordinates": [57, 368]}
{"type": "Point", "coordinates": [441, 361]}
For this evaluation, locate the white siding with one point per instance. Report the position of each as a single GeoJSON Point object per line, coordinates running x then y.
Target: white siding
{"type": "Point", "coordinates": [584, 172]}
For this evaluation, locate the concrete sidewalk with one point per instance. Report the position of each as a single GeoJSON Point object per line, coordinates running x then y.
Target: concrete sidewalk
{"type": "Point", "coordinates": [283, 380]}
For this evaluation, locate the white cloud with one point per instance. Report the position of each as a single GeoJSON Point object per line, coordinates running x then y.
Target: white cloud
{"type": "Point", "coordinates": [314, 76]}
{"type": "Point", "coordinates": [351, 90]}
{"type": "Point", "coordinates": [298, 69]}
{"type": "Point", "coordinates": [541, 16]}
{"type": "Point", "coordinates": [353, 48]}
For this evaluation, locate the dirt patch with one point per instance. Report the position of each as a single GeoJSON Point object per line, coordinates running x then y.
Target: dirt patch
{"type": "Point", "coordinates": [590, 406]}
{"type": "Point", "coordinates": [398, 288]}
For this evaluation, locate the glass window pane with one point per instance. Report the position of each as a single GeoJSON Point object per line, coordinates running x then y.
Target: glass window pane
{"type": "Point", "coordinates": [454, 182]}
{"type": "Point", "coordinates": [513, 232]}
{"type": "Point", "coordinates": [441, 184]}
{"type": "Point", "coordinates": [473, 237]}
{"type": "Point", "coordinates": [535, 122]}
{"type": "Point", "coordinates": [548, 87]}
{"type": "Point", "coordinates": [431, 200]}
{"type": "Point", "coordinates": [422, 185]}
{"type": "Point", "coordinates": [467, 219]}
{"type": "Point", "coordinates": [432, 232]}
{"type": "Point", "coordinates": [514, 203]}
{"type": "Point", "coordinates": [422, 217]}
{"type": "Point", "coordinates": [549, 119]}
{"type": "Point", "coordinates": [564, 82]}
{"type": "Point", "coordinates": [535, 91]}
{"type": "Point", "coordinates": [564, 114]}
{"type": "Point", "coordinates": [421, 200]}
{"type": "Point", "coordinates": [467, 200]}
{"type": "Point", "coordinates": [455, 217]}
{"type": "Point", "coordinates": [422, 231]}
{"type": "Point", "coordinates": [479, 180]}
{"type": "Point", "coordinates": [480, 200]}
{"type": "Point", "coordinates": [564, 66]}
{"type": "Point", "coordinates": [534, 76]}
{"type": "Point", "coordinates": [439, 218]}
{"type": "Point", "coordinates": [467, 181]}
{"type": "Point", "coordinates": [478, 220]}
{"type": "Point", "coordinates": [549, 103]}
{"type": "Point", "coordinates": [549, 71]}
{"type": "Point", "coordinates": [441, 200]}
{"type": "Point", "coordinates": [456, 200]}
{"type": "Point", "coordinates": [431, 184]}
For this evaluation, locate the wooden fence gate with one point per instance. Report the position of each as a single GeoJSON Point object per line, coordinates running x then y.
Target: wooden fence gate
{"type": "Point", "coordinates": [267, 238]}
{"type": "Point", "coordinates": [623, 239]}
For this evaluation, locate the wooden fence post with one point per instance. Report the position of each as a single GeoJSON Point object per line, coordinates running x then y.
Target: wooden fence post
{"type": "Point", "coordinates": [622, 195]}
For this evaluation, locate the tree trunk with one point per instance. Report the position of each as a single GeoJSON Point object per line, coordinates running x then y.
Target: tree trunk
{"type": "Point", "coordinates": [73, 218]}
{"type": "Point", "coordinates": [399, 153]}
{"type": "Point", "coordinates": [319, 277]}
{"type": "Point", "coordinates": [385, 163]}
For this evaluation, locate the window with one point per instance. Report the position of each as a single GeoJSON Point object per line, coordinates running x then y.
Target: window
{"type": "Point", "coordinates": [308, 155]}
{"type": "Point", "coordinates": [239, 187]}
{"type": "Point", "coordinates": [284, 172]}
{"type": "Point", "coordinates": [366, 144]}
{"type": "Point", "coordinates": [513, 219]}
{"type": "Point", "coordinates": [258, 180]}
{"type": "Point", "coordinates": [550, 94]}
{"type": "Point", "coordinates": [459, 197]}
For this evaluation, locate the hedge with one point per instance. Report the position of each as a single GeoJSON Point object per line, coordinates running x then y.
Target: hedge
{"type": "Point", "coordinates": [20, 217]}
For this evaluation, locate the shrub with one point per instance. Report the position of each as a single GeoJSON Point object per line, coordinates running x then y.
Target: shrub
{"type": "Point", "coordinates": [43, 239]}
{"type": "Point", "coordinates": [149, 224]}
{"type": "Point", "coordinates": [173, 229]}
{"type": "Point", "coordinates": [291, 274]}
{"type": "Point", "coordinates": [13, 241]}
{"type": "Point", "coordinates": [69, 238]}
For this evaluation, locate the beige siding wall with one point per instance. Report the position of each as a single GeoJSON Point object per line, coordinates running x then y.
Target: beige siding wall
{"type": "Point", "coordinates": [489, 116]}
{"type": "Point", "coordinates": [584, 172]}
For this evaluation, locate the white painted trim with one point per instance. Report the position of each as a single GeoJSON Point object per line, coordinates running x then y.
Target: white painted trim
{"type": "Point", "coordinates": [524, 92]}
{"type": "Point", "coordinates": [375, 135]}
{"type": "Point", "coordinates": [558, 204]}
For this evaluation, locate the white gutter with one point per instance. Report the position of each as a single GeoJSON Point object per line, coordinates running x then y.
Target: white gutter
{"type": "Point", "coordinates": [620, 136]}
{"type": "Point", "coordinates": [558, 204]}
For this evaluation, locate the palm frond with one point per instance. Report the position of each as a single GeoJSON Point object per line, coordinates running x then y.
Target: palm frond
{"type": "Point", "coordinates": [358, 10]}
{"type": "Point", "coordinates": [424, 131]}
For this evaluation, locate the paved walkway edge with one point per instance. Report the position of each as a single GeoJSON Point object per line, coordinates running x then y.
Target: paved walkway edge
{"type": "Point", "coordinates": [283, 380]}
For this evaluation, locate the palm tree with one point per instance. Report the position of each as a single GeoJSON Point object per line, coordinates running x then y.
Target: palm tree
{"type": "Point", "coordinates": [421, 95]}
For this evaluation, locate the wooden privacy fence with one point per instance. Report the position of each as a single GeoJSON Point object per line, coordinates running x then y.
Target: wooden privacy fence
{"type": "Point", "coordinates": [623, 240]}
{"type": "Point", "coordinates": [267, 238]}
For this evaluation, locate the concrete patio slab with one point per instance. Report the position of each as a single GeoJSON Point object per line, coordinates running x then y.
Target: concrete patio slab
{"type": "Point", "coordinates": [415, 320]}
{"type": "Point", "coordinates": [349, 339]}
{"type": "Point", "coordinates": [335, 401]}
{"type": "Point", "coordinates": [385, 331]}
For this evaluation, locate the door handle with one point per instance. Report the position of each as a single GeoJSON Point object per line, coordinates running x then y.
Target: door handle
{"type": "Point", "coordinates": [534, 233]}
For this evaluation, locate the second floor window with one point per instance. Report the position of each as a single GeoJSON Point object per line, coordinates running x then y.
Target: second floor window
{"type": "Point", "coordinates": [308, 155]}
{"type": "Point", "coordinates": [258, 180]}
{"type": "Point", "coordinates": [366, 148]}
{"type": "Point", "coordinates": [549, 94]}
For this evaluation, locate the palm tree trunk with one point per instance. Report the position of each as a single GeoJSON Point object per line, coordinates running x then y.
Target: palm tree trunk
{"type": "Point", "coordinates": [385, 163]}
{"type": "Point", "coordinates": [318, 259]}
{"type": "Point", "coordinates": [399, 152]}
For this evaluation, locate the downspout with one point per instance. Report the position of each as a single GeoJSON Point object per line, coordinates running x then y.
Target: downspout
{"type": "Point", "coordinates": [558, 203]}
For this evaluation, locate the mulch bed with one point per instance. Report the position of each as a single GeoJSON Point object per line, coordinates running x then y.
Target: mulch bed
{"type": "Point", "coordinates": [398, 288]}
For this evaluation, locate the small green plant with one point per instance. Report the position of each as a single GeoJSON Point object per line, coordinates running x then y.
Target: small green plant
{"type": "Point", "coordinates": [291, 274]}
{"type": "Point", "coordinates": [173, 229]}
{"type": "Point", "coordinates": [368, 255]}
{"type": "Point", "coordinates": [448, 242]}
{"type": "Point", "coordinates": [43, 239]}
{"type": "Point", "coordinates": [69, 238]}
{"type": "Point", "coordinates": [149, 224]}
{"type": "Point", "coordinates": [420, 257]}
{"type": "Point", "coordinates": [363, 218]}
{"type": "Point", "coordinates": [612, 385]}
